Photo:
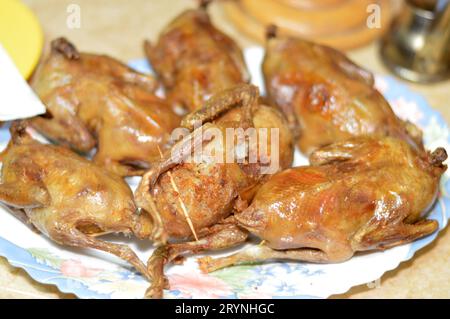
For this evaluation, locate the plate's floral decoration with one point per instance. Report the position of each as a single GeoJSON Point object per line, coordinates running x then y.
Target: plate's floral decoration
{"type": "Point", "coordinates": [88, 279]}
{"type": "Point", "coordinates": [198, 285]}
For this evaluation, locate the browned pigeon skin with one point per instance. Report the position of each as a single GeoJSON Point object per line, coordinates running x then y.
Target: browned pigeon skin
{"type": "Point", "coordinates": [195, 60]}
{"type": "Point", "coordinates": [202, 184]}
{"type": "Point", "coordinates": [68, 198]}
{"type": "Point", "coordinates": [94, 100]}
{"type": "Point", "coordinates": [326, 97]}
{"type": "Point", "coordinates": [359, 195]}
{"type": "Point", "coordinates": [209, 190]}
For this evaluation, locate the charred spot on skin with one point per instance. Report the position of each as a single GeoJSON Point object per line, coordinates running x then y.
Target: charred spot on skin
{"type": "Point", "coordinates": [18, 129]}
{"type": "Point", "coordinates": [63, 46]}
{"type": "Point", "coordinates": [203, 4]}
{"type": "Point", "coordinates": [201, 18]}
{"type": "Point", "coordinates": [271, 31]}
{"type": "Point", "coordinates": [179, 260]}
{"type": "Point", "coordinates": [47, 115]}
{"type": "Point", "coordinates": [438, 157]}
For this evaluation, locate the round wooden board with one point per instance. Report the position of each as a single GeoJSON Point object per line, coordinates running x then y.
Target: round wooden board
{"type": "Point", "coordinates": [344, 39]}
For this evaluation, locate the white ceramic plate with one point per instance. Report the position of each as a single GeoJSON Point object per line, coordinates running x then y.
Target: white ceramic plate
{"type": "Point", "coordinates": [93, 274]}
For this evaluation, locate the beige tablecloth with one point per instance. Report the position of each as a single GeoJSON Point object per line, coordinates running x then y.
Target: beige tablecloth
{"type": "Point", "coordinates": [118, 27]}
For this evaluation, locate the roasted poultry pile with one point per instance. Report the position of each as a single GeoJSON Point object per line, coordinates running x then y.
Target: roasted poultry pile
{"type": "Point", "coordinates": [369, 185]}
{"type": "Point", "coordinates": [96, 101]}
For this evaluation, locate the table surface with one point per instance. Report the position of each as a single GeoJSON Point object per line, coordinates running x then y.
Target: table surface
{"type": "Point", "coordinates": [118, 28]}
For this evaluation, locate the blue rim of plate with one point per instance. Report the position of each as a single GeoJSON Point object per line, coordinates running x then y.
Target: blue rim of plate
{"type": "Point", "coordinates": [21, 258]}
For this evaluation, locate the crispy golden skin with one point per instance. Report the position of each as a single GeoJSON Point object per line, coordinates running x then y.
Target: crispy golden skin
{"type": "Point", "coordinates": [210, 190]}
{"type": "Point", "coordinates": [95, 100]}
{"type": "Point", "coordinates": [68, 198]}
{"type": "Point", "coordinates": [202, 184]}
{"type": "Point", "coordinates": [195, 60]}
{"type": "Point", "coordinates": [326, 97]}
{"type": "Point", "coordinates": [359, 195]}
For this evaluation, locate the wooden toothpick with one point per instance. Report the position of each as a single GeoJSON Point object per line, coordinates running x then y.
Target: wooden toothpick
{"type": "Point", "coordinates": [183, 207]}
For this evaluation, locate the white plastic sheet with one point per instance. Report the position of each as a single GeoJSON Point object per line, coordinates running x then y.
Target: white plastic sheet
{"type": "Point", "coordinates": [17, 99]}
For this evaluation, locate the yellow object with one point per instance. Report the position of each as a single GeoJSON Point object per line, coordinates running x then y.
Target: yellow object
{"type": "Point", "coordinates": [21, 35]}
